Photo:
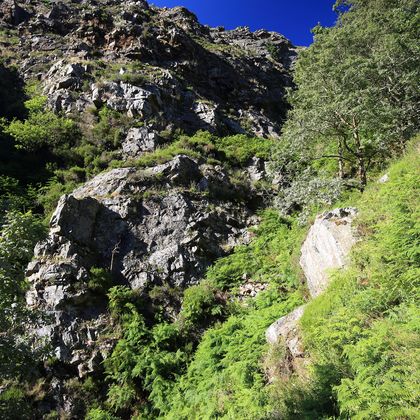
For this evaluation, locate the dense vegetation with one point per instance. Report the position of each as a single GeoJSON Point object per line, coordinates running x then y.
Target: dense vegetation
{"type": "Point", "coordinates": [353, 112]}
{"type": "Point", "coordinates": [363, 333]}
{"type": "Point", "coordinates": [356, 102]}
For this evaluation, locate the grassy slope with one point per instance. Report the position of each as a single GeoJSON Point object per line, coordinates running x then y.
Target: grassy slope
{"type": "Point", "coordinates": [362, 333]}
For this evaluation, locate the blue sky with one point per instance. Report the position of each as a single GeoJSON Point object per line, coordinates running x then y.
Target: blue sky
{"type": "Point", "coordinates": [292, 18]}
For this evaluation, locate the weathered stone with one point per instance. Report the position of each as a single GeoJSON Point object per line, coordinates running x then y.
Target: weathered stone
{"type": "Point", "coordinates": [180, 171]}
{"type": "Point", "coordinates": [286, 328]}
{"type": "Point", "coordinates": [207, 113]}
{"type": "Point", "coordinates": [75, 219]}
{"type": "Point", "coordinates": [326, 247]}
{"type": "Point", "coordinates": [170, 238]}
{"type": "Point", "coordinates": [12, 13]}
{"type": "Point", "coordinates": [140, 140]}
{"type": "Point", "coordinates": [257, 169]}
{"type": "Point", "coordinates": [125, 97]}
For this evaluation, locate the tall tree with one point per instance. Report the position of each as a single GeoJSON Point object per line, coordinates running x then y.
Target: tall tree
{"type": "Point", "coordinates": [357, 90]}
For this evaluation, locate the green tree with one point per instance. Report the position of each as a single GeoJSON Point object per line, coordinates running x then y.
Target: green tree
{"type": "Point", "coordinates": [42, 128]}
{"type": "Point", "coordinates": [357, 91]}
{"type": "Point", "coordinates": [18, 236]}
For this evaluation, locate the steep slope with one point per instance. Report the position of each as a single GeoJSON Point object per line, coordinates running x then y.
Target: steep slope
{"type": "Point", "coordinates": [125, 87]}
{"type": "Point", "coordinates": [140, 153]}
{"type": "Point", "coordinates": [357, 356]}
{"type": "Point", "coordinates": [158, 64]}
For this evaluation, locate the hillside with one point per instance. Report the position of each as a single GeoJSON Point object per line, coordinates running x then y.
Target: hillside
{"type": "Point", "coordinates": [207, 223]}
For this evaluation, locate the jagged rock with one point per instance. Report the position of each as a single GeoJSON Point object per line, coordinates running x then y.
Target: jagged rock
{"type": "Point", "coordinates": [180, 171]}
{"type": "Point", "coordinates": [140, 140]}
{"type": "Point", "coordinates": [110, 183]}
{"type": "Point", "coordinates": [127, 98]}
{"type": "Point", "coordinates": [286, 329]}
{"type": "Point", "coordinates": [192, 76]}
{"type": "Point", "coordinates": [12, 13]}
{"type": "Point", "coordinates": [207, 113]}
{"type": "Point", "coordinates": [250, 289]}
{"type": "Point", "coordinates": [170, 237]}
{"type": "Point", "coordinates": [257, 169]}
{"type": "Point", "coordinates": [327, 246]}
{"type": "Point", "coordinates": [65, 76]}
{"type": "Point", "coordinates": [75, 219]}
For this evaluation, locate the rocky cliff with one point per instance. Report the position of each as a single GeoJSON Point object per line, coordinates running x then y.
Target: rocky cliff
{"type": "Point", "coordinates": [150, 225]}
{"type": "Point", "coordinates": [160, 65]}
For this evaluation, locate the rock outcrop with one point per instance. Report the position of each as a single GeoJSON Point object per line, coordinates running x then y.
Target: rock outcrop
{"type": "Point", "coordinates": [145, 228]}
{"type": "Point", "coordinates": [157, 65]}
{"type": "Point", "coordinates": [160, 73]}
{"type": "Point", "coordinates": [326, 247]}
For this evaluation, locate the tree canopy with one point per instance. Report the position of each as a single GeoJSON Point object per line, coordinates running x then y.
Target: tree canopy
{"type": "Point", "coordinates": [357, 93]}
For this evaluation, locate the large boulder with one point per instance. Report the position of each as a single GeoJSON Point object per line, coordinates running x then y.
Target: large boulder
{"type": "Point", "coordinates": [327, 246]}
{"type": "Point", "coordinates": [285, 333]}
{"type": "Point", "coordinates": [125, 97]}
{"type": "Point", "coordinates": [145, 228]}
{"type": "Point", "coordinates": [140, 140]}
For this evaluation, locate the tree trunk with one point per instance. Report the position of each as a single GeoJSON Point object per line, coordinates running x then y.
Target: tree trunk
{"type": "Point", "coordinates": [361, 164]}
{"type": "Point", "coordinates": [340, 159]}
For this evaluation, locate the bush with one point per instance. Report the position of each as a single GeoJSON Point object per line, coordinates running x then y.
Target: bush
{"type": "Point", "coordinates": [100, 280]}
{"type": "Point", "coordinates": [99, 414]}
{"type": "Point", "coordinates": [14, 404]}
{"type": "Point", "coordinates": [202, 304]}
{"type": "Point", "coordinates": [42, 128]}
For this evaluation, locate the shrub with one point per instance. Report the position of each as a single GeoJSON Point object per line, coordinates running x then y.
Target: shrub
{"type": "Point", "coordinates": [14, 404]}
{"type": "Point", "coordinates": [100, 280]}
{"type": "Point", "coordinates": [42, 128]}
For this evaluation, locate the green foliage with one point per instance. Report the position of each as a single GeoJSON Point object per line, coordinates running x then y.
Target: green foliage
{"type": "Point", "coordinates": [143, 361]}
{"type": "Point", "coordinates": [14, 404]}
{"type": "Point", "coordinates": [270, 258]}
{"type": "Point", "coordinates": [356, 100]}
{"type": "Point", "coordinates": [152, 357]}
{"type": "Point", "coordinates": [18, 236]}
{"type": "Point", "coordinates": [240, 149]}
{"type": "Point", "coordinates": [274, 51]}
{"type": "Point", "coordinates": [363, 332]}
{"type": "Point", "coordinates": [99, 414]}
{"type": "Point", "coordinates": [100, 280]}
{"type": "Point", "coordinates": [226, 377]}
{"type": "Point", "coordinates": [41, 128]}
{"type": "Point", "coordinates": [235, 150]}
{"type": "Point", "coordinates": [202, 303]}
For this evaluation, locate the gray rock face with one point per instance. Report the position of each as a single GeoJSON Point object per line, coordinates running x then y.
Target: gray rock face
{"type": "Point", "coordinates": [145, 228]}
{"type": "Point", "coordinates": [128, 98]}
{"type": "Point", "coordinates": [286, 329]}
{"type": "Point", "coordinates": [180, 171]}
{"type": "Point", "coordinates": [64, 75]}
{"type": "Point", "coordinates": [140, 140]}
{"type": "Point", "coordinates": [326, 247]}
{"type": "Point", "coordinates": [257, 169]}
{"type": "Point", "coordinates": [191, 76]}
